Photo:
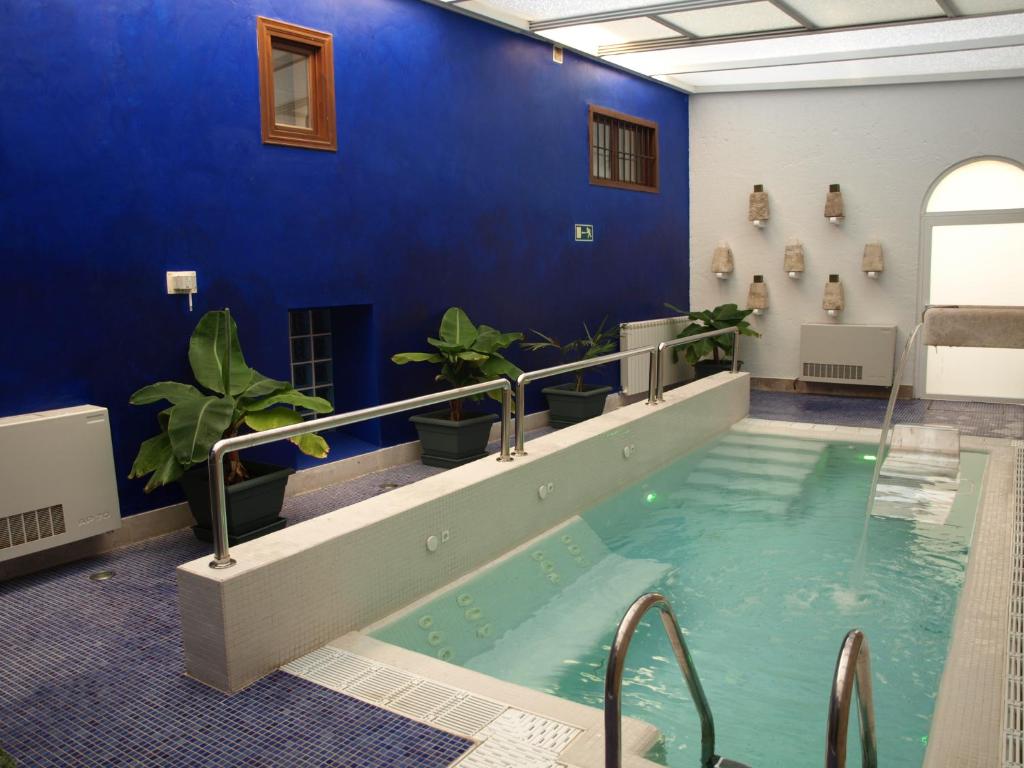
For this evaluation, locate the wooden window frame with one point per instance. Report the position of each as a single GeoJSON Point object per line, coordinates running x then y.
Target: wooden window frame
{"type": "Point", "coordinates": [593, 110]}
{"type": "Point", "coordinates": [323, 131]}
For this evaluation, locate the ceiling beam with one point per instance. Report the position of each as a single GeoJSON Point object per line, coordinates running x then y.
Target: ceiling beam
{"type": "Point", "coordinates": [668, 44]}
{"type": "Point", "coordinates": [671, 25]}
{"type": "Point", "coordinates": [633, 13]}
{"type": "Point", "coordinates": [794, 14]}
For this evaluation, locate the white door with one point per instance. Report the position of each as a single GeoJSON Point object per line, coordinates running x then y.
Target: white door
{"type": "Point", "coordinates": [974, 246]}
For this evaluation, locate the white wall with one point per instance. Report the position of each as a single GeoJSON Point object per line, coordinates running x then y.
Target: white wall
{"type": "Point", "coordinates": [885, 145]}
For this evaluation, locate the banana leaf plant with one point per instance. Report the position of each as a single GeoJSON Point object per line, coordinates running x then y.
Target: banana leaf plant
{"type": "Point", "coordinates": [468, 354]}
{"type": "Point", "coordinates": [702, 321]}
{"type": "Point", "coordinates": [601, 342]}
{"type": "Point", "coordinates": [231, 398]}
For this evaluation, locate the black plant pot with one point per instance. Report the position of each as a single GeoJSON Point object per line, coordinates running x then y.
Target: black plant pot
{"type": "Point", "coordinates": [705, 368]}
{"type": "Point", "coordinates": [254, 505]}
{"type": "Point", "coordinates": [566, 406]}
{"type": "Point", "coordinates": [448, 443]}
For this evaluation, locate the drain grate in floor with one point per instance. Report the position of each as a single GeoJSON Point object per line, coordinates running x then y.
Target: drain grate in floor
{"type": "Point", "coordinates": [1013, 756]}
{"type": "Point", "coordinates": [506, 737]}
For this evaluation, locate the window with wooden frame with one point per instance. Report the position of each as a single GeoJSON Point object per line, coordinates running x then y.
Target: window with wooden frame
{"type": "Point", "coordinates": [623, 150]}
{"type": "Point", "coordinates": [296, 85]}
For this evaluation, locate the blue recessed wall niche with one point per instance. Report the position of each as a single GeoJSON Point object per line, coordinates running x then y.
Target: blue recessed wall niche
{"type": "Point", "coordinates": [130, 145]}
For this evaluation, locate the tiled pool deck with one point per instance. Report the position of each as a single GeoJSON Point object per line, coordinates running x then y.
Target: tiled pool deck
{"type": "Point", "coordinates": [91, 671]}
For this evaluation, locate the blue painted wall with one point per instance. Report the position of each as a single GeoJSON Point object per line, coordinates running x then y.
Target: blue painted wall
{"type": "Point", "coordinates": [130, 145]}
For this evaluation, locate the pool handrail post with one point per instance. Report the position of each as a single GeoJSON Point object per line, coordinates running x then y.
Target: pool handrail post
{"type": "Point", "coordinates": [218, 492]}
{"type": "Point", "coordinates": [543, 373]}
{"type": "Point", "coordinates": [853, 668]}
{"type": "Point", "coordinates": [616, 667]}
{"type": "Point", "coordinates": [659, 394]}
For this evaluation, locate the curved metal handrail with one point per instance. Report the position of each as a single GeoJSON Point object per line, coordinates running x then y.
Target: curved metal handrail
{"type": "Point", "coordinates": [853, 667]}
{"type": "Point", "coordinates": [616, 666]}
{"type": "Point", "coordinates": [658, 395]}
{"type": "Point", "coordinates": [218, 502]}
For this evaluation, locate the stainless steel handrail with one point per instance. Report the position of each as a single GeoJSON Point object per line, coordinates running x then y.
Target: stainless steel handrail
{"type": "Point", "coordinates": [883, 440]}
{"type": "Point", "coordinates": [658, 395]}
{"type": "Point", "coordinates": [616, 666]}
{"type": "Point", "coordinates": [579, 365]}
{"type": "Point", "coordinates": [218, 501]}
{"type": "Point", "coordinates": [853, 667]}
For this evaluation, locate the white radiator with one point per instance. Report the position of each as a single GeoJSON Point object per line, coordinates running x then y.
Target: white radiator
{"type": "Point", "coordinates": [636, 370]}
{"type": "Point", "coordinates": [847, 354]}
{"type": "Point", "coordinates": [56, 479]}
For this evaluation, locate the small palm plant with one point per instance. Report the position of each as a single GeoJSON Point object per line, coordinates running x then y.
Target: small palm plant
{"type": "Point", "coordinates": [468, 354]}
{"type": "Point", "coordinates": [702, 321]}
{"type": "Point", "coordinates": [601, 342]}
{"type": "Point", "coordinates": [237, 398]}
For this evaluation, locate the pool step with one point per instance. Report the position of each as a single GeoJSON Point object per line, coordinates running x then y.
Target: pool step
{"type": "Point", "coordinates": [781, 443]}
{"type": "Point", "coordinates": [723, 500]}
{"type": "Point", "coordinates": [737, 467]}
{"type": "Point", "coordinates": [753, 485]}
{"type": "Point", "coordinates": [753, 453]}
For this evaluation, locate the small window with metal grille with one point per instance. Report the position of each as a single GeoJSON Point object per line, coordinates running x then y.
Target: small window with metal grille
{"type": "Point", "coordinates": [311, 353]}
{"type": "Point", "coordinates": [623, 150]}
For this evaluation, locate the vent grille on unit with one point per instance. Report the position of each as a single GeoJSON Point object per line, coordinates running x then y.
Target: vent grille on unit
{"type": "Point", "coordinates": [31, 526]}
{"type": "Point", "coordinates": [834, 371]}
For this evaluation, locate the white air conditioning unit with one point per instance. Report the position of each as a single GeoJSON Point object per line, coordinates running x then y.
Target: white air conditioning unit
{"type": "Point", "coordinates": [847, 354]}
{"type": "Point", "coordinates": [57, 481]}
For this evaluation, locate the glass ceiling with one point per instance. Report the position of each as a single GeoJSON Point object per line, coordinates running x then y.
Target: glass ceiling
{"type": "Point", "coordinates": [726, 45]}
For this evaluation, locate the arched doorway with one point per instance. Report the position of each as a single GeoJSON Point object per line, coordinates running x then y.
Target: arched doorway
{"type": "Point", "coordinates": [972, 243]}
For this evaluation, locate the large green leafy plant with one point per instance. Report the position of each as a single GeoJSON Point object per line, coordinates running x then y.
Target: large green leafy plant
{"type": "Point", "coordinates": [233, 398]}
{"type": "Point", "coordinates": [601, 342]}
{"type": "Point", "coordinates": [468, 354]}
{"type": "Point", "coordinates": [702, 321]}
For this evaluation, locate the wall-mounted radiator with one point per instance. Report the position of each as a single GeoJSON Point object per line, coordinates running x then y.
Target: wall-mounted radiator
{"type": "Point", "coordinates": [636, 370]}
{"type": "Point", "coordinates": [56, 479]}
{"type": "Point", "coordinates": [847, 354]}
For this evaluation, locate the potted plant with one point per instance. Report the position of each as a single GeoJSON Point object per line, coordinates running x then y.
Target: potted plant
{"type": "Point", "coordinates": [576, 401]}
{"type": "Point", "coordinates": [467, 355]}
{"type": "Point", "coordinates": [231, 397]}
{"type": "Point", "coordinates": [718, 348]}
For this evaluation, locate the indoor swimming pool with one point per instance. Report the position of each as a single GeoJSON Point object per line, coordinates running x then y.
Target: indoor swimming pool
{"type": "Point", "coordinates": [757, 542]}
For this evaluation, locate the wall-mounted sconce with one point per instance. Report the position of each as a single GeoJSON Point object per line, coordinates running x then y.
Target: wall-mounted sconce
{"type": "Point", "coordinates": [757, 296]}
{"type": "Point", "coordinates": [722, 261]}
{"type": "Point", "coordinates": [833, 301]}
{"type": "Point", "coordinates": [834, 205]}
{"type": "Point", "coordinates": [758, 213]}
{"type": "Point", "coordinates": [793, 260]}
{"type": "Point", "coordinates": [873, 263]}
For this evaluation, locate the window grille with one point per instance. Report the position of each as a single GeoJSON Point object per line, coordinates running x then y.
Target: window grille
{"type": "Point", "coordinates": [623, 151]}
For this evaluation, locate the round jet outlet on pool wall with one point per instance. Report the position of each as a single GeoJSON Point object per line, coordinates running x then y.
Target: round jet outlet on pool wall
{"type": "Point", "coordinates": [432, 543]}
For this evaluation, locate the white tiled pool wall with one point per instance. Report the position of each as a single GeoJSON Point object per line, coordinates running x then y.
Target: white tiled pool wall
{"type": "Point", "coordinates": [297, 589]}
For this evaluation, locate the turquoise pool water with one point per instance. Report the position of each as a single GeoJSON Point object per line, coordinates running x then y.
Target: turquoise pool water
{"type": "Point", "coordinates": [754, 540]}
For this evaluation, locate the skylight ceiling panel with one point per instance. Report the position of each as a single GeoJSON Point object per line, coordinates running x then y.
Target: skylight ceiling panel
{"type": "Point", "coordinates": [733, 19]}
{"type": "Point", "coordinates": [841, 13]}
{"type": "Point", "coordinates": [494, 10]}
{"type": "Point", "coordinates": [588, 37]}
{"type": "Point", "coordinates": [967, 7]}
{"type": "Point", "coordinates": [953, 65]}
{"type": "Point", "coordinates": [541, 10]}
{"type": "Point", "coordinates": [926, 37]}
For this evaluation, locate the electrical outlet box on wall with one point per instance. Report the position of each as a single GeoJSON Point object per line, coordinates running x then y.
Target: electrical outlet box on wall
{"type": "Point", "coordinates": [57, 476]}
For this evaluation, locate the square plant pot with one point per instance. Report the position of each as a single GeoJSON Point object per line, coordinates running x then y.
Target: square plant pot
{"type": "Point", "coordinates": [448, 443]}
{"type": "Point", "coordinates": [566, 406]}
{"type": "Point", "coordinates": [253, 505]}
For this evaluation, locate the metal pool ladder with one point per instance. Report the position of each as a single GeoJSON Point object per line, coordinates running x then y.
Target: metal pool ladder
{"type": "Point", "coordinates": [613, 683]}
{"type": "Point", "coordinates": [853, 668]}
